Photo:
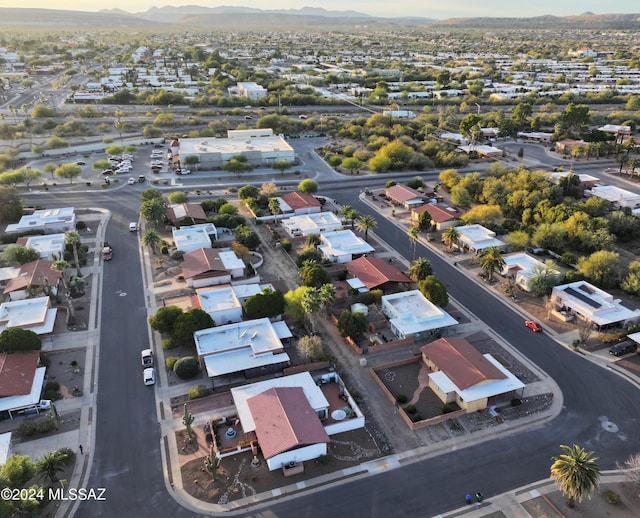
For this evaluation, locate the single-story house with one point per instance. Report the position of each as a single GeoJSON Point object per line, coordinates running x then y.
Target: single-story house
{"type": "Point", "coordinates": [410, 314]}
{"type": "Point", "coordinates": [36, 314]}
{"type": "Point", "coordinates": [342, 246]}
{"type": "Point", "coordinates": [535, 136]}
{"type": "Point", "coordinates": [314, 223]}
{"type": "Point", "coordinates": [33, 276]}
{"type": "Point", "coordinates": [586, 180]}
{"type": "Point", "coordinates": [47, 220]}
{"type": "Point", "coordinates": [442, 217]}
{"type": "Point", "coordinates": [50, 246]}
{"type": "Point", "coordinates": [522, 267]}
{"type": "Point", "coordinates": [193, 237]}
{"type": "Point", "coordinates": [618, 197]}
{"type": "Point", "coordinates": [461, 374]}
{"type": "Point", "coordinates": [297, 203]}
{"type": "Point", "coordinates": [590, 303]}
{"type": "Point", "coordinates": [405, 196]}
{"type": "Point", "coordinates": [224, 303]}
{"type": "Point", "coordinates": [178, 211]}
{"type": "Point", "coordinates": [21, 381]}
{"type": "Point", "coordinates": [244, 349]}
{"type": "Point", "coordinates": [376, 273]}
{"type": "Point", "coordinates": [476, 238]}
{"type": "Point", "coordinates": [211, 267]}
{"type": "Point", "coordinates": [567, 145]}
{"type": "Point", "coordinates": [483, 151]}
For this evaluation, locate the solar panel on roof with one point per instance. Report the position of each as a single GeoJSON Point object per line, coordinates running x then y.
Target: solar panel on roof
{"type": "Point", "coordinates": [583, 298]}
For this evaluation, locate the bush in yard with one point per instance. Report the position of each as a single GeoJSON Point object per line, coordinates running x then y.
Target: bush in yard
{"type": "Point", "coordinates": [416, 417]}
{"type": "Point", "coordinates": [170, 361]}
{"type": "Point", "coordinates": [516, 402]}
{"type": "Point", "coordinates": [168, 343]}
{"type": "Point", "coordinates": [611, 496]}
{"type": "Point", "coordinates": [198, 392]}
{"type": "Point", "coordinates": [52, 391]}
{"type": "Point", "coordinates": [446, 408]}
{"type": "Point", "coordinates": [27, 429]}
{"type": "Point", "coordinates": [186, 368]}
{"type": "Point", "coordinates": [165, 318]}
{"type": "Point", "coordinates": [176, 255]}
{"type": "Point", "coordinates": [401, 398]}
{"type": "Point", "coordinates": [410, 409]}
{"type": "Point", "coordinates": [45, 425]}
{"type": "Point", "coordinates": [286, 245]}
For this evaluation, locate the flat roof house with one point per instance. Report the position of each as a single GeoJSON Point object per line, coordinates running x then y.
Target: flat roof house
{"type": "Point", "coordinates": [342, 246]}
{"type": "Point", "coordinates": [523, 268]}
{"type": "Point", "coordinates": [476, 238]}
{"type": "Point", "coordinates": [49, 246]}
{"type": "Point", "coordinates": [593, 304]}
{"type": "Point", "coordinates": [211, 267]}
{"type": "Point", "coordinates": [460, 373]}
{"type": "Point", "coordinates": [188, 239]}
{"type": "Point", "coordinates": [245, 349]}
{"type": "Point", "coordinates": [314, 223]}
{"type": "Point", "coordinates": [47, 220]}
{"type": "Point", "coordinates": [410, 314]}
{"type": "Point", "coordinates": [224, 303]}
{"type": "Point", "coordinates": [36, 315]}
{"type": "Point", "coordinates": [618, 197]}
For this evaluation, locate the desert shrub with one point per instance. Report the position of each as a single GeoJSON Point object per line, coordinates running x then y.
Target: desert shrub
{"type": "Point", "coordinates": [410, 409]}
{"type": "Point", "coordinates": [611, 496]}
{"type": "Point", "coordinates": [52, 391]}
{"type": "Point", "coordinates": [81, 225]}
{"type": "Point", "coordinates": [416, 417]}
{"type": "Point", "coordinates": [164, 248]}
{"type": "Point", "coordinates": [446, 408]}
{"type": "Point", "coordinates": [198, 392]}
{"type": "Point", "coordinates": [67, 454]}
{"type": "Point", "coordinates": [170, 361]}
{"type": "Point", "coordinates": [186, 368]}
{"type": "Point", "coordinates": [27, 429]}
{"type": "Point", "coordinates": [74, 363]}
{"type": "Point", "coordinates": [45, 425]}
{"type": "Point", "coordinates": [286, 245]}
{"type": "Point", "coordinates": [324, 459]}
{"type": "Point", "coordinates": [176, 255]}
{"type": "Point", "coordinates": [168, 343]}
{"type": "Point", "coordinates": [401, 398]}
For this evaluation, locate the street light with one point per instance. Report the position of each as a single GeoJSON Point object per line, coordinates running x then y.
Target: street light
{"type": "Point", "coordinates": [478, 108]}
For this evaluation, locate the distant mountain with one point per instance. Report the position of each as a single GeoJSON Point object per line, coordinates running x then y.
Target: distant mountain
{"type": "Point", "coordinates": [583, 21]}
{"type": "Point", "coordinates": [59, 19]}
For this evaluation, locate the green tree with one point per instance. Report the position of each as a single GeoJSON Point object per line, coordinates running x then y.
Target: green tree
{"type": "Point", "coordinates": [268, 303]}
{"type": "Point", "coordinates": [51, 464]}
{"type": "Point", "coordinates": [601, 267]}
{"type": "Point", "coordinates": [365, 223]}
{"type": "Point", "coordinates": [517, 240]}
{"type": "Point", "coordinates": [192, 161]}
{"type": "Point", "coordinates": [247, 237]}
{"type": "Point", "coordinates": [313, 275]}
{"type": "Point", "coordinates": [281, 165]}
{"type": "Point", "coordinates": [483, 215]}
{"type": "Point", "coordinates": [451, 237]}
{"type": "Point", "coordinates": [349, 214]}
{"type": "Point", "coordinates": [543, 278]}
{"type": "Point", "coordinates": [311, 348]}
{"type": "Point", "coordinates": [152, 239]}
{"type": "Point", "coordinates": [153, 211]}
{"type": "Point", "coordinates": [19, 254]}
{"type": "Point", "coordinates": [178, 197]}
{"type": "Point", "coordinates": [424, 222]}
{"type": "Point", "coordinates": [327, 294]}
{"type": "Point", "coordinates": [293, 298]}
{"type": "Point", "coordinates": [576, 473]}
{"type": "Point", "coordinates": [491, 261]}
{"type": "Point", "coordinates": [311, 303]}
{"type": "Point", "coordinates": [434, 290]}
{"type": "Point", "coordinates": [69, 171]}
{"type": "Point", "coordinates": [274, 208]}
{"type": "Point", "coordinates": [420, 269]}
{"type": "Point", "coordinates": [188, 323]}
{"type": "Point", "coordinates": [631, 281]}
{"type": "Point", "coordinates": [460, 197]}
{"type": "Point", "coordinates": [18, 339]}
{"type": "Point", "coordinates": [237, 165]}
{"type": "Point", "coordinates": [351, 164]}
{"type": "Point", "coordinates": [150, 194]}
{"type": "Point", "coordinates": [72, 238]}
{"type": "Point", "coordinates": [309, 186]}
{"type": "Point", "coordinates": [165, 318]}
{"type": "Point", "coordinates": [10, 204]}
{"type": "Point", "coordinates": [352, 324]}
{"type": "Point", "coordinates": [247, 192]}
{"type": "Point", "coordinates": [17, 471]}
{"type": "Point", "coordinates": [228, 208]}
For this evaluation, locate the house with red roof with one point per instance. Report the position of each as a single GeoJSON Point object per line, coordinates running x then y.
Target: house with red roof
{"type": "Point", "coordinates": [376, 273]}
{"type": "Point", "coordinates": [297, 203]}
{"type": "Point", "coordinates": [460, 374]}
{"type": "Point", "coordinates": [442, 217]}
{"type": "Point", "coordinates": [405, 196]}
{"type": "Point", "coordinates": [211, 267]}
{"type": "Point", "coordinates": [21, 381]}
{"type": "Point", "coordinates": [179, 211]}
{"type": "Point", "coordinates": [33, 278]}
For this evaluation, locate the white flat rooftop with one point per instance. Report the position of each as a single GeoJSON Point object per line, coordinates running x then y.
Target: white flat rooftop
{"type": "Point", "coordinates": [232, 146]}
{"type": "Point", "coordinates": [34, 314]}
{"type": "Point", "coordinates": [413, 313]}
{"type": "Point", "coordinates": [343, 242]}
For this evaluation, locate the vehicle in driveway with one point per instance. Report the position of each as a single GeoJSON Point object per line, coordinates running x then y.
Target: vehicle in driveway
{"type": "Point", "coordinates": [533, 325]}
{"type": "Point", "coordinates": [149, 376]}
{"type": "Point", "coordinates": [623, 348]}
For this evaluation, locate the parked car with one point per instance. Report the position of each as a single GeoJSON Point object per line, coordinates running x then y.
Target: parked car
{"type": "Point", "coordinates": [141, 178]}
{"type": "Point", "coordinates": [133, 227]}
{"type": "Point", "coordinates": [623, 348]}
{"type": "Point", "coordinates": [147, 358]}
{"type": "Point", "coordinates": [107, 251]}
{"type": "Point", "coordinates": [81, 162]}
{"type": "Point", "coordinates": [107, 172]}
{"type": "Point", "coordinates": [248, 117]}
{"type": "Point", "coordinates": [149, 376]}
{"type": "Point", "coordinates": [183, 171]}
{"type": "Point", "coordinates": [131, 180]}
{"type": "Point", "coordinates": [534, 326]}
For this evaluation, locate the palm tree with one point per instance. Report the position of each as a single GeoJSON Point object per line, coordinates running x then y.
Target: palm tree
{"type": "Point", "coordinates": [366, 223]}
{"type": "Point", "coordinates": [491, 261]}
{"type": "Point", "coordinates": [151, 239]}
{"type": "Point", "coordinates": [327, 294]}
{"type": "Point", "coordinates": [420, 269]}
{"type": "Point", "coordinates": [72, 238]}
{"type": "Point", "coordinates": [450, 237]}
{"type": "Point", "coordinates": [61, 267]}
{"type": "Point", "coordinates": [575, 472]}
{"type": "Point", "coordinates": [274, 208]}
{"type": "Point", "coordinates": [311, 303]}
{"type": "Point", "coordinates": [349, 213]}
{"type": "Point", "coordinates": [414, 234]}
{"type": "Point", "coordinates": [51, 464]}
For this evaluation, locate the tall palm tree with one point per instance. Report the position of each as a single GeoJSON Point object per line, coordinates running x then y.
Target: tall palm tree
{"type": "Point", "coordinates": [420, 269]}
{"type": "Point", "coordinates": [274, 208]}
{"type": "Point", "coordinates": [311, 303]}
{"type": "Point", "coordinates": [72, 238]}
{"type": "Point", "coordinates": [575, 472]}
{"type": "Point", "coordinates": [151, 239]}
{"type": "Point", "coordinates": [450, 237]}
{"type": "Point", "coordinates": [349, 214]}
{"type": "Point", "coordinates": [61, 267]}
{"type": "Point", "coordinates": [414, 234]}
{"type": "Point", "coordinates": [366, 223]}
{"type": "Point", "coordinates": [491, 261]}
{"type": "Point", "coordinates": [327, 294]}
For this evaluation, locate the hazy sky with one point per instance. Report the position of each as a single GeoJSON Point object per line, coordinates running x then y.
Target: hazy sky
{"type": "Point", "coordinates": [389, 8]}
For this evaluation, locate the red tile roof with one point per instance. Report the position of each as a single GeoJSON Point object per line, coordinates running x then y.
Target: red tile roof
{"type": "Point", "coordinates": [461, 362]}
{"type": "Point", "coordinates": [34, 274]}
{"type": "Point", "coordinates": [300, 200]}
{"type": "Point", "coordinates": [17, 371]}
{"type": "Point", "coordinates": [192, 210]}
{"type": "Point", "coordinates": [374, 272]}
{"type": "Point", "coordinates": [284, 420]}
{"type": "Point", "coordinates": [438, 214]}
{"type": "Point", "coordinates": [402, 193]}
{"type": "Point", "coordinates": [201, 261]}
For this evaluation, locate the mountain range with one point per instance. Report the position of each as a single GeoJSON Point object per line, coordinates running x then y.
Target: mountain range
{"type": "Point", "coordinates": [238, 18]}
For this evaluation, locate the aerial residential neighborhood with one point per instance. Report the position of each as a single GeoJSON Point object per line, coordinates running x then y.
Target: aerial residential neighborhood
{"type": "Point", "coordinates": [318, 268]}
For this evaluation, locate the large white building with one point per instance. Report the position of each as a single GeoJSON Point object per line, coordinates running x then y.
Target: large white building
{"type": "Point", "coordinates": [315, 223]}
{"type": "Point", "coordinates": [342, 246]}
{"type": "Point", "coordinates": [47, 220]}
{"type": "Point", "coordinates": [260, 147]}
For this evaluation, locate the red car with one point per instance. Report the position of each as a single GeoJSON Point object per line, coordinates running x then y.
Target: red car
{"type": "Point", "coordinates": [534, 326]}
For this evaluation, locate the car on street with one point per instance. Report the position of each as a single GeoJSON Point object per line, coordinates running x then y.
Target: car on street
{"type": "Point", "coordinates": [248, 117]}
{"type": "Point", "coordinates": [131, 180]}
{"type": "Point", "coordinates": [147, 358]}
{"type": "Point", "coordinates": [623, 348]}
{"type": "Point", "coordinates": [158, 146]}
{"type": "Point", "coordinates": [533, 325]}
{"type": "Point", "coordinates": [133, 227]}
{"type": "Point", "coordinates": [107, 172]}
{"type": "Point", "coordinates": [183, 171]}
{"type": "Point", "coordinates": [81, 162]}
{"type": "Point", "coordinates": [149, 376]}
